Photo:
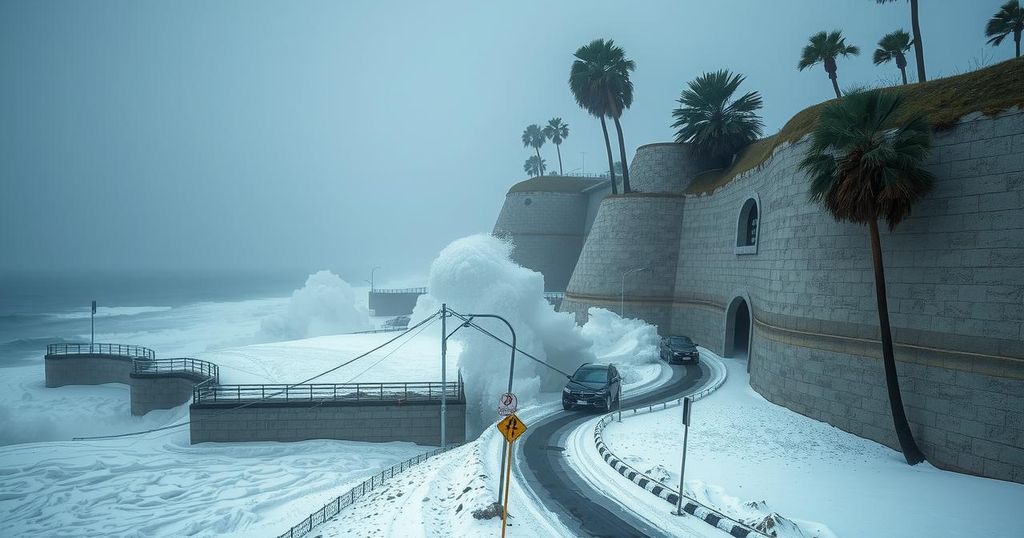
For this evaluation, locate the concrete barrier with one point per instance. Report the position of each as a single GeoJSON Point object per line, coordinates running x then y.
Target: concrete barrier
{"type": "Point", "coordinates": [86, 369]}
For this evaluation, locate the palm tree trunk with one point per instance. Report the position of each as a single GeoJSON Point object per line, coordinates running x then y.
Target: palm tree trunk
{"type": "Point", "coordinates": [918, 46]}
{"type": "Point", "coordinates": [903, 71]}
{"type": "Point", "coordinates": [622, 156]}
{"type": "Point", "coordinates": [540, 163]}
{"type": "Point", "coordinates": [558, 148]}
{"type": "Point", "coordinates": [1016, 42]}
{"type": "Point", "coordinates": [835, 84]}
{"type": "Point", "coordinates": [608, 147]}
{"type": "Point", "coordinates": [899, 418]}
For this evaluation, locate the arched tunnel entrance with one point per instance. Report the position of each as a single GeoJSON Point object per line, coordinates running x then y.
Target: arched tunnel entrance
{"type": "Point", "coordinates": [737, 329]}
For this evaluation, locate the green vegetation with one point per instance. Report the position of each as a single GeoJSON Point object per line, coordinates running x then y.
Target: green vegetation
{"type": "Point", "coordinates": [915, 25]}
{"type": "Point", "coordinates": [893, 46]}
{"type": "Point", "coordinates": [865, 164]}
{"type": "Point", "coordinates": [535, 166]}
{"type": "Point", "coordinates": [554, 184]}
{"type": "Point", "coordinates": [716, 124]}
{"type": "Point", "coordinates": [824, 48]}
{"type": "Point", "coordinates": [533, 137]}
{"type": "Point", "coordinates": [1008, 20]}
{"type": "Point", "coordinates": [599, 80]}
{"type": "Point", "coordinates": [556, 131]}
{"type": "Point", "coordinates": [943, 101]}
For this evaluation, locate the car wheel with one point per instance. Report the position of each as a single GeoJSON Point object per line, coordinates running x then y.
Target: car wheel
{"type": "Point", "coordinates": [566, 406]}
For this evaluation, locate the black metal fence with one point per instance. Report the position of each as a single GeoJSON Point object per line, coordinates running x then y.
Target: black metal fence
{"type": "Point", "coordinates": [345, 500]}
{"type": "Point", "coordinates": [120, 350]}
{"type": "Point", "coordinates": [398, 290]}
{"type": "Point", "coordinates": [199, 367]}
{"type": "Point", "coordinates": [327, 392]}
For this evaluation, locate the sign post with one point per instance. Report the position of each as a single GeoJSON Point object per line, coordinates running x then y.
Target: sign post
{"type": "Point", "coordinates": [687, 405]}
{"type": "Point", "coordinates": [92, 327]}
{"type": "Point", "coordinates": [511, 428]}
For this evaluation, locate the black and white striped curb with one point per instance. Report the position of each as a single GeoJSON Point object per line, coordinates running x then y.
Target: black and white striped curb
{"type": "Point", "coordinates": [692, 507]}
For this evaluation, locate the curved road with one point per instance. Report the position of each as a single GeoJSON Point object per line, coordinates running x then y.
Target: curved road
{"type": "Point", "coordinates": [584, 510]}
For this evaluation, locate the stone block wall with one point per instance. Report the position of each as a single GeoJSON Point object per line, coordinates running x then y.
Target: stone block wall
{"type": "Point", "coordinates": [392, 304]}
{"type": "Point", "coordinates": [86, 369]}
{"type": "Point", "coordinates": [955, 274]}
{"type": "Point", "coordinates": [665, 167]}
{"type": "Point", "coordinates": [151, 392]}
{"type": "Point", "coordinates": [417, 423]}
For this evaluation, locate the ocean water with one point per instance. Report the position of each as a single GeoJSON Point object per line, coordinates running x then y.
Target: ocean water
{"type": "Point", "coordinates": [174, 315]}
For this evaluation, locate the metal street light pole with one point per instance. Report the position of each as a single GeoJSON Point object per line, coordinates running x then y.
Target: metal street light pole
{"type": "Point", "coordinates": [371, 276]}
{"type": "Point", "coordinates": [622, 290]}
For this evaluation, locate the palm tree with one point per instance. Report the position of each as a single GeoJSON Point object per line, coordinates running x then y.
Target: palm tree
{"type": "Point", "coordinates": [863, 167]}
{"type": "Point", "coordinates": [533, 137]}
{"type": "Point", "coordinates": [716, 124]}
{"type": "Point", "coordinates": [824, 47]}
{"type": "Point", "coordinates": [535, 166]}
{"type": "Point", "coordinates": [892, 46]}
{"type": "Point", "coordinates": [915, 26]}
{"type": "Point", "coordinates": [1009, 19]}
{"type": "Point", "coordinates": [599, 80]}
{"type": "Point", "coordinates": [556, 131]}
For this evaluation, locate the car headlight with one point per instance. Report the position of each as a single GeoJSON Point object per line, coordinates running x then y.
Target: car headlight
{"type": "Point", "coordinates": [566, 390]}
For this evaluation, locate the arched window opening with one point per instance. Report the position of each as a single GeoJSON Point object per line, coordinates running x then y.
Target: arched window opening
{"type": "Point", "coordinates": [747, 228]}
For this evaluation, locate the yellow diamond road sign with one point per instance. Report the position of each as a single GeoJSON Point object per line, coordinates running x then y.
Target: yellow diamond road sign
{"type": "Point", "coordinates": [511, 427]}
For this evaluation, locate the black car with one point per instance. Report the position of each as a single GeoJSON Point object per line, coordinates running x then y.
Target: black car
{"type": "Point", "coordinates": [679, 349]}
{"type": "Point", "coordinates": [593, 385]}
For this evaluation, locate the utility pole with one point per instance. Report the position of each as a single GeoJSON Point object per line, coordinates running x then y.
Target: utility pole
{"type": "Point", "coordinates": [583, 155]}
{"type": "Point", "coordinates": [371, 276]}
{"type": "Point", "coordinates": [92, 327]}
{"type": "Point", "coordinates": [444, 389]}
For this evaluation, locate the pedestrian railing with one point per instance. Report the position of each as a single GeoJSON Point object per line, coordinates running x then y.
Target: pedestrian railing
{"type": "Point", "coordinates": [554, 295]}
{"type": "Point", "coordinates": [398, 290]}
{"type": "Point", "coordinates": [185, 365]}
{"type": "Point", "coordinates": [331, 392]}
{"type": "Point", "coordinates": [348, 498]}
{"type": "Point", "coordinates": [120, 350]}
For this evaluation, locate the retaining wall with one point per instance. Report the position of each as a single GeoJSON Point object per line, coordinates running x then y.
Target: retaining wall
{"type": "Point", "coordinates": [665, 167]}
{"type": "Point", "coordinates": [384, 422]}
{"type": "Point", "coordinates": [955, 275]}
{"type": "Point", "coordinates": [165, 391]}
{"type": "Point", "coordinates": [92, 369]}
{"type": "Point", "coordinates": [392, 304]}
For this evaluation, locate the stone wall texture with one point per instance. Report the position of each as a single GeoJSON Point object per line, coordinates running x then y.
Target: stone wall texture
{"type": "Point", "coordinates": [298, 422]}
{"type": "Point", "coordinates": [151, 392]}
{"type": "Point", "coordinates": [665, 167]}
{"type": "Point", "coordinates": [86, 369]}
{"type": "Point", "coordinates": [955, 275]}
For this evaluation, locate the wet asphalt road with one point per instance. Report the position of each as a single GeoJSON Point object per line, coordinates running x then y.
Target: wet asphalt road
{"type": "Point", "coordinates": [584, 510]}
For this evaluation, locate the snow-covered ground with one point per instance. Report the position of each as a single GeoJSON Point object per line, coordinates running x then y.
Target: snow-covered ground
{"type": "Point", "coordinates": [748, 457]}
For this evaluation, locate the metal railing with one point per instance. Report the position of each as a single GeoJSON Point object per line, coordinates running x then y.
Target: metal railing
{"type": "Point", "coordinates": [120, 350]}
{"type": "Point", "coordinates": [332, 508]}
{"type": "Point", "coordinates": [331, 392]}
{"type": "Point", "coordinates": [554, 295]}
{"type": "Point", "coordinates": [186, 365]}
{"type": "Point", "coordinates": [398, 290]}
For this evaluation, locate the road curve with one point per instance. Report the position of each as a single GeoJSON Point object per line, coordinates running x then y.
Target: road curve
{"type": "Point", "coordinates": [581, 508]}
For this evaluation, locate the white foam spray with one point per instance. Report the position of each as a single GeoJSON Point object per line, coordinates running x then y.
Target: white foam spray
{"type": "Point", "coordinates": [325, 305]}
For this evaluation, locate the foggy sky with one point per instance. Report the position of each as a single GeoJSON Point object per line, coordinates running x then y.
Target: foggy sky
{"type": "Point", "coordinates": [254, 136]}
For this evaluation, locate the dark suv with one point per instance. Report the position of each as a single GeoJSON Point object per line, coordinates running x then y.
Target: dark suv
{"type": "Point", "coordinates": [593, 385]}
{"type": "Point", "coordinates": [679, 349]}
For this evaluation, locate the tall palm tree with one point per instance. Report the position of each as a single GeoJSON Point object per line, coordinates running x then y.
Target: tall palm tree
{"type": "Point", "coordinates": [533, 137]}
{"type": "Point", "coordinates": [893, 46]}
{"type": "Point", "coordinates": [863, 167]}
{"type": "Point", "coordinates": [1009, 19]}
{"type": "Point", "coordinates": [599, 80]}
{"type": "Point", "coordinates": [915, 26]}
{"type": "Point", "coordinates": [823, 48]}
{"type": "Point", "coordinates": [716, 124]}
{"type": "Point", "coordinates": [557, 131]}
{"type": "Point", "coordinates": [535, 166]}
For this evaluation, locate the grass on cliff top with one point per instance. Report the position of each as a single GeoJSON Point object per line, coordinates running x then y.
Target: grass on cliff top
{"type": "Point", "coordinates": [554, 184]}
{"type": "Point", "coordinates": [944, 101]}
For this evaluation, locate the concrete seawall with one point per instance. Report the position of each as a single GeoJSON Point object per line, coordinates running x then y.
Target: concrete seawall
{"type": "Point", "coordinates": [151, 392]}
{"type": "Point", "coordinates": [382, 422]}
{"type": "Point", "coordinates": [88, 369]}
{"type": "Point", "coordinates": [793, 289]}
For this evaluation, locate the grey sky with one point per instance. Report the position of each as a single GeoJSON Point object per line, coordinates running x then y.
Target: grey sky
{"type": "Point", "coordinates": [296, 136]}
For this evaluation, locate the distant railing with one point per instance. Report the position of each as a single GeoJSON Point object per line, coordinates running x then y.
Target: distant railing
{"type": "Point", "coordinates": [596, 175]}
{"type": "Point", "coordinates": [120, 350]}
{"type": "Point", "coordinates": [330, 392]}
{"type": "Point", "coordinates": [186, 365]}
{"type": "Point", "coordinates": [332, 508]}
{"type": "Point", "coordinates": [398, 290]}
{"type": "Point", "coordinates": [553, 295]}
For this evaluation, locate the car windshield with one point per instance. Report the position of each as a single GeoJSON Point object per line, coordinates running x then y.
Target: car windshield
{"type": "Point", "coordinates": [591, 375]}
{"type": "Point", "coordinates": [680, 341]}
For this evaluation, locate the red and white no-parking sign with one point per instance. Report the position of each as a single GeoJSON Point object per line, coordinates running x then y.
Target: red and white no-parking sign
{"type": "Point", "coordinates": [507, 404]}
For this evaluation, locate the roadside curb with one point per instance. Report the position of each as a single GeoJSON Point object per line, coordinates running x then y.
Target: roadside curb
{"type": "Point", "coordinates": [708, 515]}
